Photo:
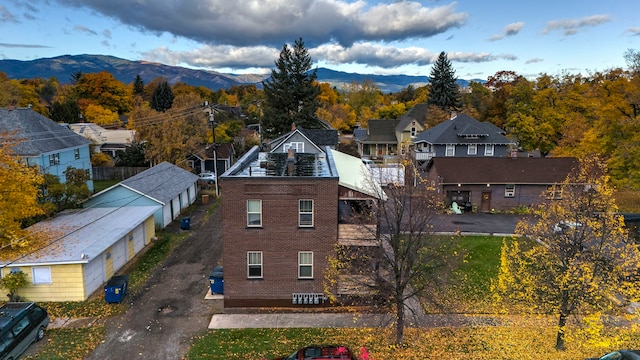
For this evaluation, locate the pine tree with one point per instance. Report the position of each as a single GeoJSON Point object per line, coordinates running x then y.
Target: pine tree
{"type": "Point", "coordinates": [291, 92]}
{"type": "Point", "coordinates": [162, 97]}
{"type": "Point", "coordinates": [138, 86]}
{"type": "Point", "coordinates": [444, 92]}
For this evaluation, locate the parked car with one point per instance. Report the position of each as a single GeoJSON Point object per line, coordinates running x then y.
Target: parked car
{"type": "Point", "coordinates": [620, 355]}
{"type": "Point", "coordinates": [21, 324]}
{"type": "Point", "coordinates": [208, 177]}
{"type": "Point", "coordinates": [320, 352]}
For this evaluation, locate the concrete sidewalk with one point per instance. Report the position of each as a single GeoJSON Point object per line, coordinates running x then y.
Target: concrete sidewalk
{"type": "Point", "coordinates": [297, 320]}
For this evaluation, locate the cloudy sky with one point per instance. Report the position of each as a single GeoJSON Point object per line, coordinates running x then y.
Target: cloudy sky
{"type": "Point", "coordinates": [369, 37]}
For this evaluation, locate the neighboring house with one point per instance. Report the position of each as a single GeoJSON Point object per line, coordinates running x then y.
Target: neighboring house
{"type": "Point", "coordinates": [305, 140]}
{"type": "Point", "coordinates": [87, 247]}
{"type": "Point", "coordinates": [165, 185]}
{"type": "Point", "coordinates": [486, 184]}
{"type": "Point", "coordinates": [105, 141]}
{"type": "Point", "coordinates": [390, 138]}
{"type": "Point", "coordinates": [281, 223]}
{"type": "Point", "coordinates": [44, 143]}
{"type": "Point", "coordinates": [461, 136]}
{"type": "Point", "coordinates": [203, 160]}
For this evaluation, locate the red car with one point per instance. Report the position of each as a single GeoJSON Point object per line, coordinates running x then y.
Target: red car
{"type": "Point", "coordinates": [320, 352]}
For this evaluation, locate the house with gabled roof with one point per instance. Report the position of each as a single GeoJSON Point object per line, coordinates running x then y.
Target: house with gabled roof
{"type": "Point", "coordinates": [305, 140]}
{"type": "Point", "coordinates": [44, 143]}
{"type": "Point", "coordinates": [209, 159]}
{"type": "Point", "coordinates": [461, 136]}
{"type": "Point", "coordinates": [106, 141]}
{"type": "Point", "coordinates": [85, 249]}
{"type": "Point", "coordinates": [169, 187]}
{"type": "Point", "coordinates": [503, 183]}
{"type": "Point", "coordinates": [390, 138]}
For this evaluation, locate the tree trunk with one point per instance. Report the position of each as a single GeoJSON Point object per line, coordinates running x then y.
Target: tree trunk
{"type": "Point", "coordinates": [399, 322]}
{"type": "Point", "coordinates": [562, 320]}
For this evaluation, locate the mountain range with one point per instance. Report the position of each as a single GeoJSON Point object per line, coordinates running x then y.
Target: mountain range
{"type": "Point", "coordinates": [62, 68]}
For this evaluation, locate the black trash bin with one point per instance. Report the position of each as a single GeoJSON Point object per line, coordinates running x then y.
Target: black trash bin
{"type": "Point", "coordinates": [185, 223]}
{"type": "Point", "coordinates": [216, 280]}
{"type": "Point", "coordinates": [116, 289]}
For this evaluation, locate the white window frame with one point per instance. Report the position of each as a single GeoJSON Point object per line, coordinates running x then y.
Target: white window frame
{"type": "Point", "coordinates": [54, 159]}
{"type": "Point", "coordinates": [305, 261]}
{"type": "Point", "coordinates": [76, 153]}
{"type": "Point", "coordinates": [510, 190]}
{"type": "Point", "coordinates": [450, 150]}
{"type": "Point", "coordinates": [489, 150]}
{"type": "Point", "coordinates": [472, 149]}
{"type": "Point", "coordinates": [298, 146]}
{"type": "Point", "coordinates": [252, 263]}
{"type": "Point", "coordinates": [304, 213]}
{"type": "Point", "coordinates": [250, 212]}
{"type": "Point", "coordinates": [41, 275]}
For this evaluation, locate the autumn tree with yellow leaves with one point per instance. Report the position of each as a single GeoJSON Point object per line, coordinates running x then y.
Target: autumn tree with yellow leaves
{"type": "Point", "coordinates": [20, 185]}
{"type": "Point", "coordinates": [583, 261]}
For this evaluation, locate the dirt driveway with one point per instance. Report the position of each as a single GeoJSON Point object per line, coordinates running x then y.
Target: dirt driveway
{"type": "Point", "coordinates": [172, 308]}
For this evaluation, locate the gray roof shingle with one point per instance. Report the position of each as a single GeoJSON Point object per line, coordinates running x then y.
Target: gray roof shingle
{"type": "Point", "coordinates": [38, 133]}
{"type": "Point", "coordinates": [463, 129]}
{"type": "Point", "coordinates": [162, 182]}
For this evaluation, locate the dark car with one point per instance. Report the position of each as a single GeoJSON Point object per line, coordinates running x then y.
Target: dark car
{"type": "Point", "coordinates": [320, 352]}
{"type": "Point", "coordinates": [620, 355]}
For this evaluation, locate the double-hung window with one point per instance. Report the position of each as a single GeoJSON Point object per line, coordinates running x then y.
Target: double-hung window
{"type": "Point", "coordinates": [254, 264]}
{"type": "Point", "coordinates": [450, 150]}
{"type": "Point", "coordinates": [472, 149]}
{"type": "Point", "coordinates": [488, 150]}
{"type": "Point", "coordinates": [305, 213]}
{"type": "Point", "coordinates": [54, 159]}
{"type": "Point", "coordinates": [76, 153]}
{"type": "Point", "coordinates": [254, 213]}
{"type": "Point", "coordinates": [305, 265]}
{"type": "Point", "coordinates": [298, 146]}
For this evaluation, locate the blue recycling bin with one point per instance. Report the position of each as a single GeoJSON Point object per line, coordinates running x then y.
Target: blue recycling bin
{"type": "Point", "coordinates": [185, 223]}
{"type": "Point", "coordinates": [216, 280]}
{"type": "Point", "coordinates": [116, 289]}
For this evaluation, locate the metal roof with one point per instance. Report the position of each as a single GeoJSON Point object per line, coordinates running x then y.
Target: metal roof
{"type": "Point", "coordinates": [82, 234]}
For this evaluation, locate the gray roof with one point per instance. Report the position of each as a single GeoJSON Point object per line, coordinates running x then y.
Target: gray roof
{"type": "Point", "coordinates": [162, 182]}
{"type": "Point", "coordinates": [381, 131]}
{"type": "Point", "coordinates": [86, 232]}
{"type": "Point", "coordinates": [319, 137]}
{"type": "Point", "coordinates": [463, 129]}
{"type": "Point", "coordinates": [417, 113]}
{"type": "Point", "coordinates": [38, 133]}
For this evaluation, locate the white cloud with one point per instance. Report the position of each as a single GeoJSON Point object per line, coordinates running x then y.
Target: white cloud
{"type": "Point", "coordinates": [571, 26]}
{"type": "Point", "coordinates": [509, 30]}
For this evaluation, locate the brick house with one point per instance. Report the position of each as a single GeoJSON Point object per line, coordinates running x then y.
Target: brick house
{"type": "Point", "coordinates": [487, 183]}
{"type": "Point", "coordinates": [281, 222]}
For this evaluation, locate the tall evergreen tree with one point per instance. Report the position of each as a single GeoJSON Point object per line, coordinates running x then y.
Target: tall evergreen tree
{"type": "Point", "coordinates": [291, 92]}
{"type": "Point", "coordinates": [444, 91]}
{"type": "Point", "coordinates": [138, 86]}
{"type": "Point", "coordinates": [162, 97]}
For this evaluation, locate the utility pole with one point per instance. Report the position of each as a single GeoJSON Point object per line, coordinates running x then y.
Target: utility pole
{"type": "Point", "coordinates": [212, 121]}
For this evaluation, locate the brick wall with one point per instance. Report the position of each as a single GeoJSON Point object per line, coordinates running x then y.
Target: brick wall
{"type": "Point", "coordinates": [280, 239]}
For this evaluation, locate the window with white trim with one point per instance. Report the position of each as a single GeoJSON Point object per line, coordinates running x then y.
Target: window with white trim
{"type": "Point", "coordinates": [76, 153]}
{"type": "Point", "coordinates": [450, 150]}
{"type": "Point", "coordinates": [305, 265]}
{"type": "Point", "coordinates": [254, 213]}
{"type": "Point", "coordinates": [472, 149]}
{"type": "Point", "coordinates": [298, 146]}
{"type": "Point", "coordinates": [305, 213]}
{"type": "Point", "coordinates": [488, 150]}
{"type": "Point", "coordinates": [509, 190]}
{"type": "Point", "coordinates": [254, 264]}
{"type": "Point", "coordinates": [54, 159]}
{"type": "Point", "coordinates": [41, 275]}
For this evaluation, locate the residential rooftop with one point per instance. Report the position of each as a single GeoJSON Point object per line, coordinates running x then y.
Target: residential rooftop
{"type": "Point", "coordinates": [275, 164]}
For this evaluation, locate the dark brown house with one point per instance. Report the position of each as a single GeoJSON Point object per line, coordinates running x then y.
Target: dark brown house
{"type": "Point", "coordinates": [486, 184]}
